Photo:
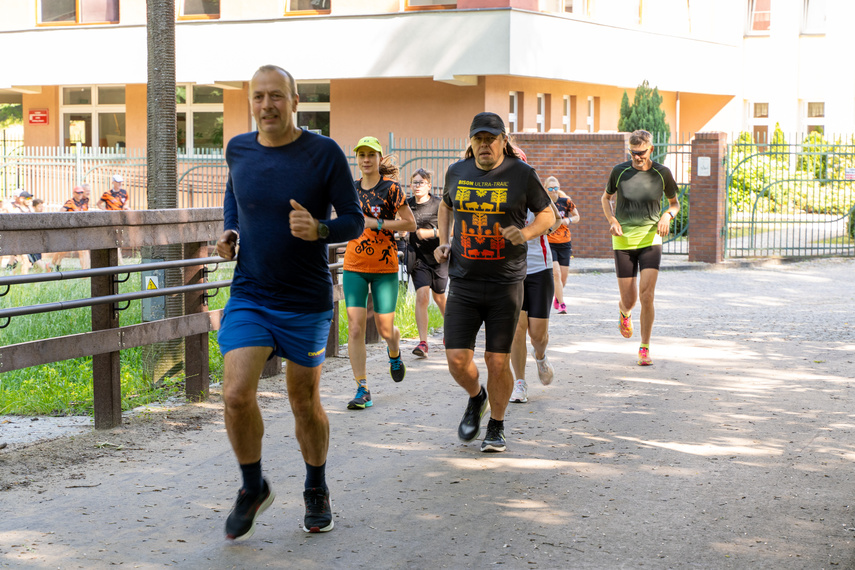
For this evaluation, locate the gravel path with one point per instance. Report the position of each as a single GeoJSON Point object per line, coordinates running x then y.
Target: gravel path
{"type": "Point", "coordinates": [734, 450]}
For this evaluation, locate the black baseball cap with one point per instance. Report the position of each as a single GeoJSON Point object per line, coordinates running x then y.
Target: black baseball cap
{"type": "Point", "coordinates": [487, 123]}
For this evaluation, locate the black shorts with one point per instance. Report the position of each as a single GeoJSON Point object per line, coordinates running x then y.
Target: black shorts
{"type": "Point", "coordinates": [473, 303]}
{"type": "Point", "coordinates": [424, 275]}
{"type": "Point", "coordinates": [629, 261]}
{"type": "Point", "coordinates": [538, 289]}
{"type": "Point", "coordinates": [561, 253]}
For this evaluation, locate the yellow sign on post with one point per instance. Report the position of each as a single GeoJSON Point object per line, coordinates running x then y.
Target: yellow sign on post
{"type": "Point", "coordinates": [150, 282]}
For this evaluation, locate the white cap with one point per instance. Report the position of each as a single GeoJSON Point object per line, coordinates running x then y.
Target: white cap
{"type": "Point", "coordinates": [118, 178]}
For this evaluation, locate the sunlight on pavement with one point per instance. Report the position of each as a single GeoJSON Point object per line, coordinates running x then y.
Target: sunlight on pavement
{"type": "Point", "coordinates": [737, 446]}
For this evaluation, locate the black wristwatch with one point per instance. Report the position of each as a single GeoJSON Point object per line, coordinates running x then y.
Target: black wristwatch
{"type": "Point", "coordinates": [323, 231]}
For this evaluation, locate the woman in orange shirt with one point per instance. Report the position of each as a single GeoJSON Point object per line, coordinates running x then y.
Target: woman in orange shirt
{"type": "Point", "coordinates": [371, 260]}
{"type": "Point", "coordinates": [559, 241]}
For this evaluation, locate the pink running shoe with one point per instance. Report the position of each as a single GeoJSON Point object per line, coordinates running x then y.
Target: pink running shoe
{"type": "Point", "coordinates": [625, 325]}
{"type": "Point", "coordinates": [555, 303]}
{"type": "Point", "coordinates": [562, 309]}
{"type": "Point", "coordinates": [644, 357]}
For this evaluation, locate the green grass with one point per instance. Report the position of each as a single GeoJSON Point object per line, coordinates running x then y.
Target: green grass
{"type": "Point", "coordinates": [405, 316]}
{"type": "Point", "coordinates": [65, 388]}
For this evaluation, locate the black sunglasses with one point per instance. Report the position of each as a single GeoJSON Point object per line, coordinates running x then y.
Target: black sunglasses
{"type": "Point", "coordinates": [639, 152]}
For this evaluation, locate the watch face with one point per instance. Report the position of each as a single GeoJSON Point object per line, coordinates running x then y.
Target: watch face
{"type": "Point", "coordinates": [323, 230]}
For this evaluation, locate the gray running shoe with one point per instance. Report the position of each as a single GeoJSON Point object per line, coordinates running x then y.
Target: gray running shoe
{"type": "Point", "coordinates": [544, 369]}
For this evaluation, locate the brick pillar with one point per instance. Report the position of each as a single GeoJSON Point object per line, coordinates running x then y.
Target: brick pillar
{"type": "Point", "coordinates": [707, 198]}
{"type": "Point", "coordinates": [582, 163]}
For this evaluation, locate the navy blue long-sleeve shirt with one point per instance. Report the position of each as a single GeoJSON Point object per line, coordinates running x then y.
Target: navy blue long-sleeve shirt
{"type": "Point", "coordinates": [274, 268]}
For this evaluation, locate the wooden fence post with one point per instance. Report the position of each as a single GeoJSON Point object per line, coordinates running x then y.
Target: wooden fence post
{"type": "Point", "coordinates": [196, 366]}
{"type": "Point", "coordinates": [106, 372]}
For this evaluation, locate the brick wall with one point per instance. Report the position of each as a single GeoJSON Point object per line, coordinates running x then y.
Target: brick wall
{"type": "Point", "coordinates": [582, 164]}
{"type": "Point", "coordinates": [707, 199]}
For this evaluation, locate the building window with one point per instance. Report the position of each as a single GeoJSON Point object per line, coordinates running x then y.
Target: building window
{"type": "Point", "coordinates": [759, 16]}
{"type": "Point", "coordinates": [815, 117]}
{"type": "Point", "coordinates": [199, 119]}
{"type": "Point", "coordinates": [815, 110]}
{"type": "Point", "coordinates": [541, 113]}
{"type": "Point", "coordinates": [513, 112]}
{"type": "Point", "coordinates": [93, 116]}
{"type": "Point", "coordinates": [813, 18]}
{"type": "Point", "coordinates": [567, 118]}
{"type": "Point", "coordinates": [198, 9]}
{"type": "Point", "coordinates": [313, 110]}
{"type": "Point", "coordinates": [69, 12]}
{"type": "Point", "coordinates": [308, 6]}
{"type": "Point", "coordinates": [430, 5]}
{"type": "Point", "coordinates": [579, 7]}
{"type": "Point", "coordinates": [761, 110]}
{"type": "Point", "coordinates": [590, 120]}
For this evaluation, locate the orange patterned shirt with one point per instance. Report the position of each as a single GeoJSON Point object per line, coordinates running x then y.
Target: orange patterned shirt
{"type": "Point", "coordinates": [376, 251]}
{"type": "Point", "coordinates": [565, 208]}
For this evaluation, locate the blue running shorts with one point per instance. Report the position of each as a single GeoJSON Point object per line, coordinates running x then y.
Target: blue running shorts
{"type": "Point", "coordinates": [298, 337]}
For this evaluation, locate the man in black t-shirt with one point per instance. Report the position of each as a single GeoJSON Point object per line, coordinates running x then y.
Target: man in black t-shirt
{"type": "Point", "coordinates": [487, 195]}
{"type": "Point", "coordinates": [425, 272]}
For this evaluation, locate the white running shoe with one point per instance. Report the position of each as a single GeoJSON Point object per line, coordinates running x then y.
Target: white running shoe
{"type": "Point", "coordinates": [519, 395]}
{"type": "Point", "coordinates": [544, 369]}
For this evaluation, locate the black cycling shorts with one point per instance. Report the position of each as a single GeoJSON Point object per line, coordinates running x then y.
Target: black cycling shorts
{"type": "Point", "coordinates": [538, 290]}
{"type": "Point", "coordinates": [629, 261]}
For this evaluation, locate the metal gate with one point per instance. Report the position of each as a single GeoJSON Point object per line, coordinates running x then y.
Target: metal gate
{"type": "Point", "coordinates": [677, 156]}
{"type": "Point", "coordinates": [790, 200]}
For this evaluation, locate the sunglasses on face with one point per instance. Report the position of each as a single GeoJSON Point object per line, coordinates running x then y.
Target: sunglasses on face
{"type": "Point", "coordinates": [639, 152]}
{"type": "Point", "coordinates": [417, 183]}
{"type": "Point", "coordinates": [553, 189]}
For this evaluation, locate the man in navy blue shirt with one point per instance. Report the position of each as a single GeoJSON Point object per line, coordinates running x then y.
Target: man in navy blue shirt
{"type": "Point", "coordinates": [283, 182]}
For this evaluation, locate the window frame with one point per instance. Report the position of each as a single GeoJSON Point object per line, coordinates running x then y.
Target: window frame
{"type": "Point", "coordinates": [290, 12]}
{"type": "Point", "coordinates": [93, 108]}
{"type": "Point", "coordinates": [445, 6]}
{"type": "Point", "coordinates": [513, 115]}
{"type": "Point", "coordinates": [77, 12]}
{"type": "Point", "coordinates": [813, 30]}
{"type": "Point", "coordinates": [189, 108]}
{"type": "Point", "coordinates": [750, 17]}
{"type": "Point", "coordinates": [182, 17]}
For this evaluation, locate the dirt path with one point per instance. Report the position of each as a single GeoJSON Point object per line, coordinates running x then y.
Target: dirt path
{"type": "Point", "coordinates": [735, 450]}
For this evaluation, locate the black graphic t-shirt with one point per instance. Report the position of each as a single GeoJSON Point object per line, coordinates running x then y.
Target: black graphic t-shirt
{"type": "Point", "coordinates": [426, 218]}
{"type": "Point", "coordinates": [484, 202]}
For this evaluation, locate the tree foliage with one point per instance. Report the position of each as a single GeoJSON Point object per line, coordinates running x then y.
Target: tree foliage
{"type": "Point", "coordinates": [10, 115]}
{"type": "Point", "coordinates": [645, 112]}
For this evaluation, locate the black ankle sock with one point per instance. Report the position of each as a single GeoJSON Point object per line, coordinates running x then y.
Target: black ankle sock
{"type": "Point", "coordinates": [316, 476]}
{"type": "Point", "coordinates": [252, 477]}
{"type": "Point", "coordinates": [481, 394]}
{"type": "Point", "coordinates": [498, 424]}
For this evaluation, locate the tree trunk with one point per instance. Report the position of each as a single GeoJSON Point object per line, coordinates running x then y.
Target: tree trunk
{"type": "Point", "coordinates": [164, 359]}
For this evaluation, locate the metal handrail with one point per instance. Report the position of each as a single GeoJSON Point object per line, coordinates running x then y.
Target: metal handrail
{"type": "Point", "coordinates": [101, 271]}
{"type": "Point", "coordinates": [7, 314]}
{"type": "Point", "coordinates": [108, 299]}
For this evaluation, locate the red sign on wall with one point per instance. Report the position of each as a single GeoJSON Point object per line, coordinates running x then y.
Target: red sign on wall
{"type": "Point", "coordinates": [38, 116]}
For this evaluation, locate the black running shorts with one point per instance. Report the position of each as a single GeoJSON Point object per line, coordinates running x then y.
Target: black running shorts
{"type": "Point", "coordinates": [473, 303]}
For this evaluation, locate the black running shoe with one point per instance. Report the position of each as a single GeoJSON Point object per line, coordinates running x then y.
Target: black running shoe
{"type": "Point", "coordinates": [470, 425]}
{"type": "Point", "coordinates": [318, 510]}
{"type": "Point", "coordinates": [241, 522]}
{"type": "Point", "coordinates": [396, 367]}
{"type": "Point", "coordinates": [494, 441]}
